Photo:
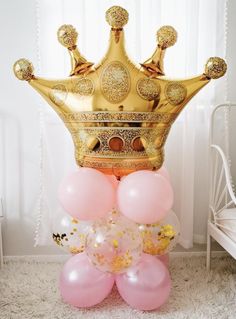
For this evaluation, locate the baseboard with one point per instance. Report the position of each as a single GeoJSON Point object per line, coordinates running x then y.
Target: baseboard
{"type": "Point", "coordinates": [38, 258]}
{"type": "Point", "coordinates": [199, 239]}
{"type": "Point", "coordinates": [63, 258]}
{"type": "Point", "coordinates": [216, 253]}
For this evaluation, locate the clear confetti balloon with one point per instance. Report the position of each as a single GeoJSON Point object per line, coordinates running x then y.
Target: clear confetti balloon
{"type": "Point", "coordinates": [114, 243]}
{"type": "Point", "coordinates": [69, 233]}
{"type": "Point", "coordinates": [160, 238]}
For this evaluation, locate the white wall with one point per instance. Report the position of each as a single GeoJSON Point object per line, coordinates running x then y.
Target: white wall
{"type": "Point", "coordinates": [20, 132]}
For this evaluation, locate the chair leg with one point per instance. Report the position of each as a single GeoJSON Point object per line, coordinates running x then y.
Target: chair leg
{"type": "Point", "coordinates": [208, 259]}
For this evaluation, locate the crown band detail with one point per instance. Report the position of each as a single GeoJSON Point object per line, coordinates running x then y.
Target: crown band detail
{"type": "Point", "coordinates": [165, 118]}
{"type": "Point", "coordinates": [117, 166]}
{"type": "Point", "coordinates": [125, 142]}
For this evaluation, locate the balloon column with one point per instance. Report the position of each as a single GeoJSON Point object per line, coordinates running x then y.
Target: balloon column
{"type": "Point", "coordinates": [119, 200]}
{"type": "Point", "coordinates": [121, 246]}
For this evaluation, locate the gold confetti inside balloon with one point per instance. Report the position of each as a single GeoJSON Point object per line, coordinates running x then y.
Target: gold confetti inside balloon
{"type": "Point", "coordinates": [69, 233]}
{"type": "Point", "coordinates": [160, 238]}
{"type": "Point", "coordinates": [114, 244]}
{"type": "Point", "coordinates": [119, 113]}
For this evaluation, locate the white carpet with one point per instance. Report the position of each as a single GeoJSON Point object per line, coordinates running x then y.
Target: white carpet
{"type": "Point", "coordinates": [30, 290]}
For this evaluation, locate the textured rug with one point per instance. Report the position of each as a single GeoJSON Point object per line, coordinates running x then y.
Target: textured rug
{"type": "Point", "coordinates": [30, 290]}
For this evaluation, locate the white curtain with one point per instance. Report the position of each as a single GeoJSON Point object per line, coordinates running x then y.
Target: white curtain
{"type": "Point", "coordinates": [201, 27]}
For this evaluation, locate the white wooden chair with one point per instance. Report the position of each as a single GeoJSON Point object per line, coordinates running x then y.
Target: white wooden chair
{"type": "Point", "coordinates": [1, 245]}
{"type": "Point", "coordinates": [222, 209]}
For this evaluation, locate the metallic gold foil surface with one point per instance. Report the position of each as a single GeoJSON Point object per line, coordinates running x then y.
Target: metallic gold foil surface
{"type": "Point", "coordinates": [119, 113]}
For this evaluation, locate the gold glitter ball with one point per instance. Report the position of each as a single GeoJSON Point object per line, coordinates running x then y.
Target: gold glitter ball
{"type": "Point", "coordinates": [215, 68]}
{"type": "Point", "coordinates": [115, 82]}
{"type": "Point", "coordinates": [67, 35]}
{"type": "Point", "coordinates": [148, 89]}
{"type": "Point", "coordinates": [166, 36]}
{"type": "Point", "coordinates": [117, 17]}
{"type": "Point", "coordinates": [23, 70]}
{"type": "Point", "coordinates": [84, 87]}
{"type": "Point", "coordinates": [175, 93]}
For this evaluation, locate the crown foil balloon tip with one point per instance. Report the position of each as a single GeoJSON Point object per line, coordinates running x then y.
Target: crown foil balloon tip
{"type": "Point", "coordinates": [215, 68]}
{"type": "Point", "coordinates": [67, 35]}
{"type": "Point", "coordinates": [166, 36]}
{"type": "Point", "coordinates": [118, 113]}
{"type": "Point", "coordinates": [23, 69]}
{"type": "Point", "coordinates": [117, 17]}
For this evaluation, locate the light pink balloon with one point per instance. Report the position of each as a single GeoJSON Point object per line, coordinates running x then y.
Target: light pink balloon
{"type": "Point", "coordinates": [163, 172]}
{"type": "Point", "coordinates": [144, 197]}
{"type": "Point", "coordinates": [83, 285]}
{"type": "Point", "coordinates": [165, 259]}
{"type": "Point", "coordinates": [87, 194]}
{"type": "Point", "coordinates": [145, 286]}
{"type": "Point", "coordinates": [113, 180]}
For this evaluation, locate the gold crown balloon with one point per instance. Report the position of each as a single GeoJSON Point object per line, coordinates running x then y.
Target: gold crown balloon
{"type": "Point", "coordinates": [118, 113]}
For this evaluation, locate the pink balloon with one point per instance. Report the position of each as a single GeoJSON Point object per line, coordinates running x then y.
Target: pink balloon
{"type": "Point", "coordinates": [144, 197]}
{"type": "Point", "coordinates": [163, 172]}
{"type": "Point", "coordinates": [145, 286]}
{"type": "Point", "coordinates": [165, 259]}
{"type": "Point", "coordinates": [113, 180]}
{"type": "Point", "coordinates": [83, 285]}
{"type": "Point", "coordinates": [87, 194]}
